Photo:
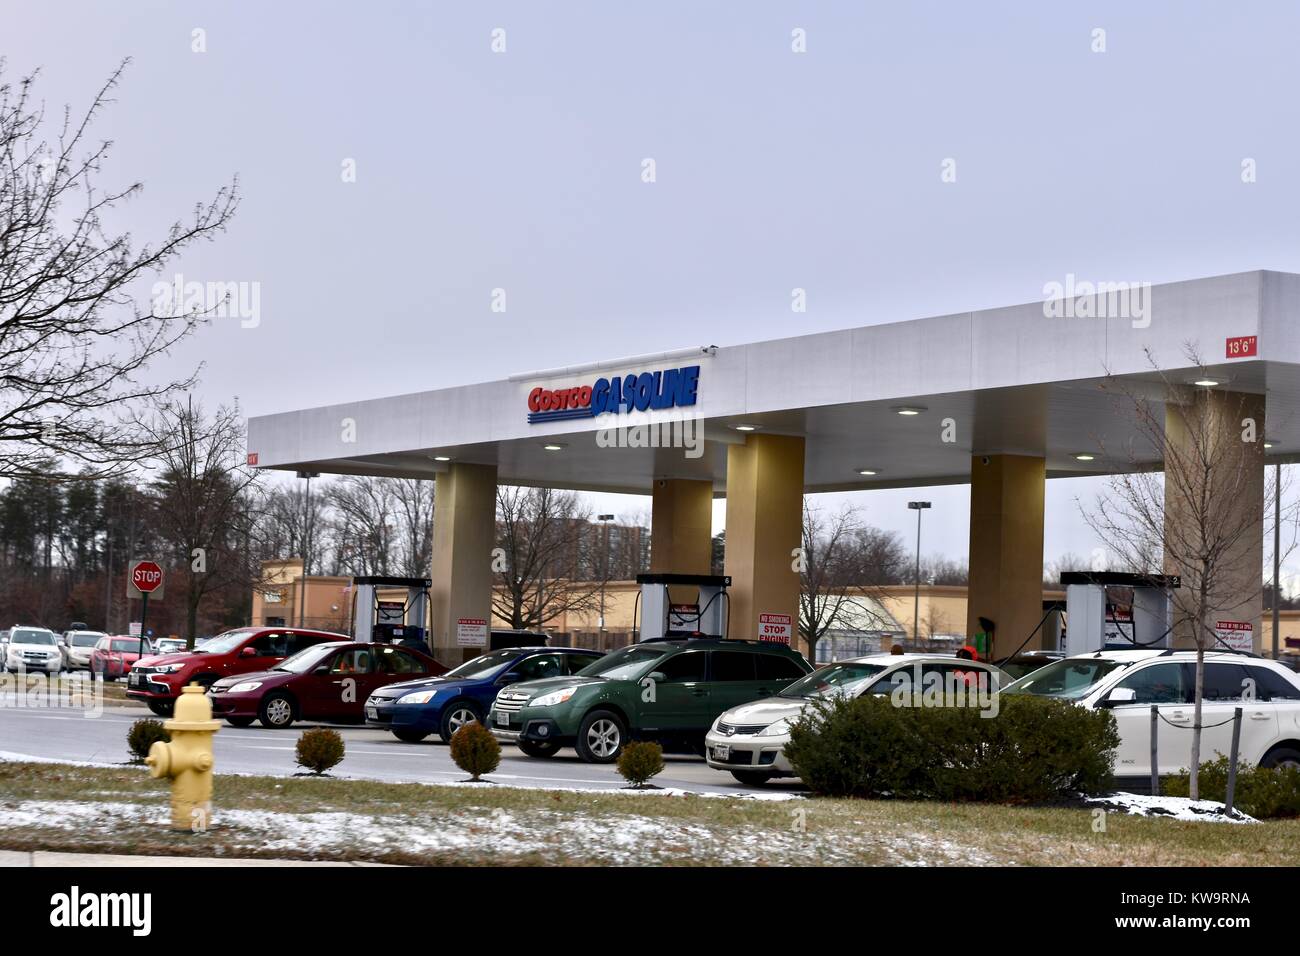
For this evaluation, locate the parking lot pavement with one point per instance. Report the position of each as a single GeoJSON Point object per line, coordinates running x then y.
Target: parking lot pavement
{"type": "Point", "coordinates": [65, 734]}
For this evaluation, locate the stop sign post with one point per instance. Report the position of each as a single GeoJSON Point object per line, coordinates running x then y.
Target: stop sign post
{"type": "Point", "coordinates": [144, 579]}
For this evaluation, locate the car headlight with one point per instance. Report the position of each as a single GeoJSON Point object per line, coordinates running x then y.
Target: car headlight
{"type": "Point", "coordinates": [245, 686]}
{"type": "Point", "coordinates": [419, 697]}
{"type": "Point", "coordinates": [553, 698]}
{"type": "Point", "coordinates": [779, 729]}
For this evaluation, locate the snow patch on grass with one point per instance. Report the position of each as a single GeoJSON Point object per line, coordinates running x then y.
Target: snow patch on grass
{"type": "Point", "coordinates": [1176, 808]}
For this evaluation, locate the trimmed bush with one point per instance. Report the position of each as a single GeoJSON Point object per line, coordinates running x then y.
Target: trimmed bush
{"type": "Point", "coordinates": [475, 750]}
{"type": "Point", "coordinates": [1263, 793]}
{"type": "Point", "coordinates": [142, 735]}
{"type": "Point", "coordinates": [639, 761]}
{"type": "Point", "coordinates": [320, 749]}
{"type": "Point", "coordinates": [1036, 749]}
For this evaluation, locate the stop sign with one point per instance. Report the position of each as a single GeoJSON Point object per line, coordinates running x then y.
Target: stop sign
{"type": "Point", "coordinates": [146, 577]}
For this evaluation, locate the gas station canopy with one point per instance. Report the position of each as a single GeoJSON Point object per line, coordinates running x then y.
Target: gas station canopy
{"type": "Point", "coordinates": [893, 405]}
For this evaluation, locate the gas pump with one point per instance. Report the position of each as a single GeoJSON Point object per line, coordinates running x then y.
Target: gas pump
{"type": "Point", "coordinates": [390, 625]}
{"type": "Point", "coordinates": [1108, 610]}
{"type": "Point", "coordinates": [668, 611]}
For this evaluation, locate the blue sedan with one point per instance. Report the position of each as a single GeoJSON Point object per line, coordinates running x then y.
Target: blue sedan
{"type": "Point", "coordinates": [414, 709]}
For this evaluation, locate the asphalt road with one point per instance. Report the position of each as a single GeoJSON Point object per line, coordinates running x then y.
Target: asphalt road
{"type": "Point", "coordinates": [62, 733]}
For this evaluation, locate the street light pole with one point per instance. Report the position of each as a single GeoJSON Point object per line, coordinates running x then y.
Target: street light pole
{"type": "Point", "coordinates": [306, 544]}
{"type": "Point", "coordinates": [918, 507]}
{"type": "Point", "coordinates": [604, 563]}
{"type": "Point", "coordinates": [1277, 554]}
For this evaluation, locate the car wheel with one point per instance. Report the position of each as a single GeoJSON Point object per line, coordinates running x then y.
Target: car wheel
{"type": "Point", "coordinates": [276, 711]}
{"type": "Point", "coordinates": [601, 737]}
{"type": "Point", "coordinates": [163, 708]}
{"type": "Point", "coordinates": [240, 721]}
{"type": "Point", "coordinates": [751, 778]}
{"type": "Point", "coordinates": [535, 748]}
{"type": "Point", "coordinates": [1281, 757]}
{"type": "Point", "coordinates": [410, 736]}
{"type": "Point", "coordinates": [455, 716]}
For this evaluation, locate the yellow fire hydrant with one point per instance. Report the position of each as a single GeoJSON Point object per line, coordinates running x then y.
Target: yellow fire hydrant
{"type": "Point", "coordinates": [188, 759]}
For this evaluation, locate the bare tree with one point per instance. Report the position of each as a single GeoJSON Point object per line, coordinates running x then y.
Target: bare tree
{"type": "Point", "coordinates": [201, 499]}
{"type": "Point", "coordinates": [543, 533]}
{"type": "Point", "coordinates": [1186, 513]}
{"type": "Point", "coordinates": [842, 565]}
{"type": "Point", "coordinates": [413, 506]}
{"type": "Point", "coordinates": [73, 343]}
{"type": "Point", "coordinates": [363, 524]}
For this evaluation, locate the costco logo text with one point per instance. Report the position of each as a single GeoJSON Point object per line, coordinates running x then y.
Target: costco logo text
{"type": "Point", "coordinates": [649, 391]}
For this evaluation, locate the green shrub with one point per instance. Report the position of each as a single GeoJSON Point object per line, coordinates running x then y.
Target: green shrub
{"type": "Point", "coordinates": [475, 750]}
{"type": "Point", "coordinates": [1034, 750]}
{"type": "Point", "coordinates": [639, 761]}
{"type": "Point", "coordinates": [320, 749]}
{"type": "Point", "coordinates": [142, 735]}
{"type": "Point", "coordinates": [1263, 792]}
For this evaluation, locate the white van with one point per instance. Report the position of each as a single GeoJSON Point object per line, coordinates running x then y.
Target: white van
{"type": "Point", "coordinates": [1130, 682]}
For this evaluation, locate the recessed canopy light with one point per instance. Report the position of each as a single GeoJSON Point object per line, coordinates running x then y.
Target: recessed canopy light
{"type": "Point", "coordinates": [553, 446]}
{"type": "Point", "coordinates": [744, 428]}
{"type": "Point", "coordinates": [867, 472]}
{"type": "Point", "coordinates": [442, 458]}
{"type": "Point", "coordinates": [1206, 382]}
{"type": "Point", "coordinates": [908, 409]}
{"type": "Point", "coordinates": [1268, 444]}
{"type": "Point", "coordinates": [1084, 456]}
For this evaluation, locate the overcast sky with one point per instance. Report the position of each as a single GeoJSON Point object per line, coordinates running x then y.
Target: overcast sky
{"type": "Point", "coordinates": [521, 170]}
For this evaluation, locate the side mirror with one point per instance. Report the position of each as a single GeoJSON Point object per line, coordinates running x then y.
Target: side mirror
{"type": "Point", "coordinates": [1121, 695]}
{"type": "Point", "coordinates": [248, 652]}
{"type": "Point", "coordinates": [657, 676]}
{"type": "Point", "coordinates": [512, 677]}
{"type": "Point", "coordinates": [322, 669]}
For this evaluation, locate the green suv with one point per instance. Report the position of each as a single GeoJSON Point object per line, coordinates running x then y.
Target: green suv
{"type": "Point", "coordinates": [669, 691]}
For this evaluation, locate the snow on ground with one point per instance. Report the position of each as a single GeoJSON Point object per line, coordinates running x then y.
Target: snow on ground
{"type": "Point", "coordinates": [499, 835]}
{"type": "Point", "coordinates": [1177, 808]}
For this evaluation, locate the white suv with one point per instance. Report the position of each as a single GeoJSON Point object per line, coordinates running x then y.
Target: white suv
{"type": "Point", "coordinates": [749, 740]}
{"type": "Point", "coordinates": [1129, 683]}
{"type": "Point", "coordinates": [33, 649]}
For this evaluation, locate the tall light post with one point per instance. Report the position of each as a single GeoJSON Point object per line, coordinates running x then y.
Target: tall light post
{"type": "Point", "coordinates": [604, 563]}
{"type": "Point", "coordinates": [306, 543]}
{"type": "Point", "coordinates": [918, 507]}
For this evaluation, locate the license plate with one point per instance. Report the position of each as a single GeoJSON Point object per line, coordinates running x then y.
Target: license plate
{"type": "Point", "coordinates": [503, 720]}
{"type": "Point", "coordinates": [722, 751]}
{"type": "Point", "coordinates": [372, 713]}
{"type": "Point", "coordinates": [137, 680]}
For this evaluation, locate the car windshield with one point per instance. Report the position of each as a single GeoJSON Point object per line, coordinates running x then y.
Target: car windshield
{"type": "Point", "coordinates": [1071, 678]}
{"type": "Point", "coordinates": [624, 664]}
{"type": "Point", "coordinates": [26, 636]}
{"type": "Point", "coordinates": [845, 678]}
{"type": "Point", "coordinates": [86, 638]}
{"type": "Point", "coordinates": [482, 667]}
{"type": "Point", "coordinates": [225, 643]}
{"type": "Point", "coordinates": [306, 659]}
{"type": "Point", "coordinates": [130, 645]}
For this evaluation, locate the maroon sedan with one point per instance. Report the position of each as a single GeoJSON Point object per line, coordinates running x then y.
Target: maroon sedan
{"type": "Point", "coordinates": [326, 682]}
{"type": "Point", "coordinates": [113, 657]}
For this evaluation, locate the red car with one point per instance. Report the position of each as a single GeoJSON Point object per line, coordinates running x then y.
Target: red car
{"type": "Point", "coordinates": [158, 680]}
{"type": "Point", "coordinates": [113, 657]}
{"type": "Point", "coordinates": [325, 682]}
